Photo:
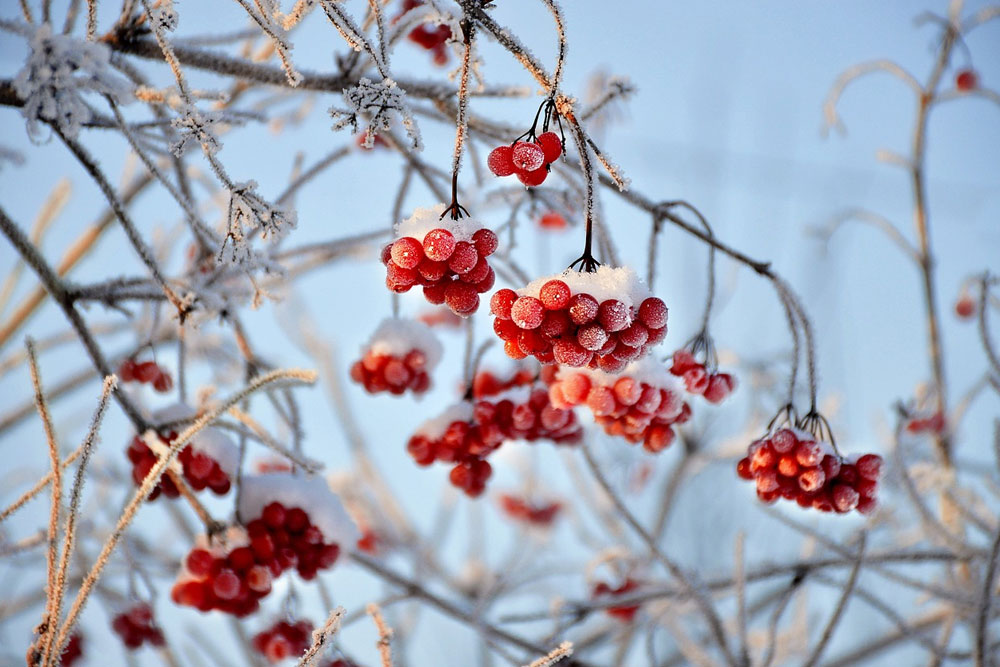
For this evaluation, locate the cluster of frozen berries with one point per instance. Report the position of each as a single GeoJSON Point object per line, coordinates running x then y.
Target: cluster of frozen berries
{"type": "Point", "coordinates": [399, 357]}
{"type": "Point", "coordinates": [284, 640]}
{"type": "Point", "coordinates": [791, 464]}
{"type": "Point", "coordinates": [146, 372]}
{"type": "Point", "coordinates": [641, 404]}
{"type": "Point", "coordinates": [625, 613]}
{"type": "Point", "coordinates": [446, 257]}
{"type": "Point", "coordinates": [530, 160]}
{"type": "Point", "coordinates": [715, 387]}
{"type": "Point", "coordinates": [603, 319]}
{"type": "Point", "coordinates": [432, 38]}
{"type": "Point", "coordinates": [136, 627]}
{"type": "Point", "coordinates": [198, 468]}
{"type": "Point", "coordinates": [523, 510]}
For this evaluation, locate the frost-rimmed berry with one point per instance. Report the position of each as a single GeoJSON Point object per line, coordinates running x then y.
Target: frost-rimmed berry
{"type": "Point", "coordinates": [399, 357]}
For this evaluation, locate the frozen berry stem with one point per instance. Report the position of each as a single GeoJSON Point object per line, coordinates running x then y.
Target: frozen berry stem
{"type": "Point", "coordinates": [455, 209]}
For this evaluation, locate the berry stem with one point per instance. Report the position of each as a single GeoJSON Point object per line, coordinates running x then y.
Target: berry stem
{"type": "Point", "coordinates": [462, 123]}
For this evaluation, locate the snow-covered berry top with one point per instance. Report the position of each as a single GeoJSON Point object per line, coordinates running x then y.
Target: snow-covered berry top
{"type": "Point", "coordinates": [434, 428]}
{"type": "Point", "coordinates": [395, 337]}
{"type": "Point", "coordinates": [646, 370]}
{"type": "Point", "coordinates": [210, 441]}
{"type": "Point", "coordinates": [425, 219]}
{"type": "Point", "coordinates": [607, 282]}
{"type": "Point", "coordinates": [311, 493]}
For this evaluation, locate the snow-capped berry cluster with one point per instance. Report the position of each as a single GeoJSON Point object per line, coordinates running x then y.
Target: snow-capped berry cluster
{"type": "Point", "coordinates": [135, 627]}
{"type": "Point", "coordinates": [530, 160]}
{"type": "Point", "coordinates": [640, 404]}
{"type": "Point", "coordinates": [433, 38]}
{"type": "Point", "coordinates": [298, 523]}
{"type": "Point", "coordinates": [526, 511]}
{"type": "Point", "coordinates": [398, 357]}
{"type": "Point", "coordinates": [698, 379]}
{"type": "Point", "coordinates": [792, 464]}
{"type": "Point", "coordinates": [284, 640]}
{"type": "Point", "coordinates": [602, 319]}
{"type": "Point", "coordinates": [446, 257]}
{"type": "Point", "coordinates": [146, 372]}
{"type": "Point", "coordinates": [208, 461]}
{"type": "Point", "coordinates": [602, 590]}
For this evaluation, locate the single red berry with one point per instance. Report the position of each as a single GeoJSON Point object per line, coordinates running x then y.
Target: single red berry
{"type": "Point", "coordinates": [653, 313]}
{"type": "Point", "coordinates": [551, 146]}
{"type": "Point", "coordinates": [438, 245]}
{"type": "Point", "coordinates": [592, 337]}
{"type": "Point", "coordinates": [614, 315]}
{"type": "Point", "coordinates": [461, 297]}
{"type": "Point", "coordinates": [552, 221]}
{"type": "Point", "coordinates": [532, 179]}
{"type": "Point", "coordinates": [199, 562]}
{"type": "Point", "coordinates": [570, 353]}
{"type": "Point", "coordinates": [501, 303]}
{"type": "Point", "coordinates": [527, 312]}
{"type": "Point", "coordinates": [869, 466]}
{"type": "Point", "coordinates": [126, 372]}
{"type": "Point", "coordinates": [554, 295]}
{"type": "Point", "coordinates": [844, 498]}
{"type": "Point", "coordinates": [407, 252]}
{"type": "Point", "coordinates": [967, 80]}
{"type": "Point", "coordinates": [486, 242]}
{"type": "Point", "coordinates": [146, 371]}
{"type": "Point", "coordinates": [464, 258]}
{"type": "Point", "coordinates": [501, 161]}
{"type": "Point", "coordinates": [583, 308]}
{"type": "Point", "coordinates": [527, 156]}
{"type": "Point", "coordinates": [226, 585]}
{"type": "Point", "coordinates": [965, 308]}
{"type": "Point", "coordinates": [163, 382]}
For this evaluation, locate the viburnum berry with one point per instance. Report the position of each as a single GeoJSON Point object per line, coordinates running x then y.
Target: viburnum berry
{"type": "Point", "coordinates": [552, 221]}
{"type": "Point", "coordinates": [551, 146]}
{"type": "Point", "coordinates": [146, 372]}
{"type": "Point", "coordinates": [444, 256]}
{"type": "Point", "coordinates": [642, 403]}
{"type": "Point", "coordinates": [430, 37]}
{"type": "Point", "coordinates": [967, 80]}
{"type": "Point", "coordinates": [624, 613]}
{"type": "Point", "coordinates": [284, 639]}
{"type": "Point", "coordinates": [699, 378]}
{"type": "Point", "coordinates": [575, 328]}
{"type": "Point", "coordinates": [933, 423]}
{"type": "Point", "coordinates": [535, 514]}
{"type": "Point", "coordinates": [965, 306]}
{"type": "Point", "coordinates": [135, 626]}
{"type": "Point", "coordinates": [501, 161]}
{"type": "Point", "coordinates": [295, 522]}
{"type": "Point", "coordinates": [533, 178]}
{"type": "Point", "coordinates": [399, 357]}
{"type": "Point", "coordinates": [527, 156]}
{"type": "Point", "coordinates": [792, 464]}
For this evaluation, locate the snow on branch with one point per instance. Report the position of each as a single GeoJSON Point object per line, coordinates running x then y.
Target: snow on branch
{"type": "Point", "coordinates": [379, 102]}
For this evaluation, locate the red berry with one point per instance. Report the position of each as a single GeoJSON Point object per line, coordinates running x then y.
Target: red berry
{"type": "Point", "coordinates": [501, 303]}
{"type": "Point", "coordinates": [552, 220]}
{"type": "Point", "coordinates": [965, 307]}
{"type": "Point", "coordinates": [583, 308]}
{"type": "Point", "coordinates": [570, 353]}
{"type": "Point", "coordinates": [720, 385]}
{"type": "Point", "coordinates": [461, 297]}
{"type": "Point", "coordinates": [966, 80]}
{"type": "Point", "coordinates": [844, 498]}
{"type": "Point", "coordinates": [592, 337]}
{"type": "Point", "coordinates": [527, 156]}
{"type": "Point", "coordinates": [784, 441]}
{"type": "Point", "coordinates": [199, 562]}
{"type": "Point", "coordinates": [635, 335]}
{"type": "Point", "coordinates": [555, 324]}
{"type": "Point", "coordinates": [527, 312]}
{"type": "Point", "coordinates": [532, 179]}
{"type": "Point", "coordinates": [501, 161]}
{"type": "Point", "coordinates": [438, 245]}
{"type": "Point", "coordinates": [551, 146]}
{"type": "Point", "coordinates": [464, 258]}
{"type": "Point", "coordinates": [486, 242]}
{"type": "Point", "coordinates": [146, 371]}
{"type": "Point", "coordinates": [614, 315]}
{"type": "Point", "coordinates": [812, 479]}
{"type": "Point", "coordinates": [554, 295]}
{"type": "Point", "coordinates": [163, 382]}
{"type": "Point", "coordinates": [808, 454]}
{"type": "Point", "coordinates": [407, 252]}
{"type": "Point", "coordinates": [126, 372]}
{"type": "Point", "coordinates": [869, 466]}
{"type": "Point", "coordinates": [653, 313]}
{"type": "Point", "coordinates": [226, 585]}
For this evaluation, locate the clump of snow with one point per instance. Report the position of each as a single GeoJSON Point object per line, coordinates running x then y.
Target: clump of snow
{"type": "Point", "coordinates": [426, 219]}
{"type": "Point", "coordinates": [396, 337]}
{"type": "Point", "coordinates": [435, 428]}
{"type": "Point", "coordinates": [308, 492]}
{"type": "Point", "coordinates": [59, 69]}
{"type": "Point", "coordinates": [210, 441]}
{"type": "Point", "coordinates": [607, 282]}
{"type": "Point", "coordinates": [646, 370]}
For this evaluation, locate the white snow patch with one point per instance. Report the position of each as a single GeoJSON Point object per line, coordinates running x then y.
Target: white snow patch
{"type": "Point", "coordinates": [396, 337]}
{"type": "Point", "coordinates": [435, 428]}
{"type": "Point", "coordinates": [309, 492]}
{"type": "Point", "coordinates": [607, 282]}
{"type": "Point", "coordinates": [425, 219]}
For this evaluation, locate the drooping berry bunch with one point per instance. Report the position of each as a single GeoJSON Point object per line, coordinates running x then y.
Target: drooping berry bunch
{"type": "Point", "coordinates": [297, 523]}
{"type": "Point", "coordinates": [526, 511]}
{"type": "Point", "coordinates": [433, 38]}
{"type": "Point", "coordinates": [208, 461]}
{"type": "Point", "coordinates": [135, 626]}
{"type": "Point", "coordinates": [447, 257]}
{"type": "Point", "coordinates": [640, 404]}
{"type": "Point", "coordinates": [398, 357]}
{"type": "Point", "coordinates": [530, 155]}
{"type": "Point", "coordinates": [602, 319]}
{"type": "Point", "coordinates": [792, 464]}
{"type": "Point", "coordinates": [463, 435]}
{"type": "Point", "coordinates": [146, 372]}
{"type": "Point", "coordinates": [602, 590]}
{"type": "Point", "coordinates": [526, 413]}
{"type": "Point", "coordinates": [284, 640]}
{"type": "Point", "coordinates": [701, 378]}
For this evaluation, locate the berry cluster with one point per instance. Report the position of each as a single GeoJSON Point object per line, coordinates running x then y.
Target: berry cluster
{"type": "Point", "coordinates": [602, 319]}
{"type": "Point", "coordinates": [791, 464]}
{"type": "Point", "coordinates": [446, 257]}
{"type": "Point", "coordinates": [431, 38]}
{"type": "Point", "coordinates": [284, 640]}
{"type": "Point", "coordinates": [136, 627]}
{"type": "Point", "coordinates": [398, 358]}
{"type": "Point", "coordinates": [698, 379]}
{"type": "Point", "coordinates": [640, 404]}
{"type": "Point", "coordinates": [198, 468]}
{"type": "Point", "coordinates": [215, 577]}
{"type": "Point", "coordinates": [146, 372]}
{"type": "Point", "coordinates": [523, 510]}
{"type": "Point", "coordinates": [625, 614]}
{"type": "Point", "coordinates": [530, 160]}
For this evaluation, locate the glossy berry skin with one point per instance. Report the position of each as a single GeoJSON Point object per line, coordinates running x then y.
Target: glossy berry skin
{"type": "Point", "coordinates": [792, 465]}
{"type": "Point", "coordinates": [551, 146]}
{"type": "Point", "coordinates": [233, 582]}
{"type": "Point", "coordinates": [450, 271]}
{"type": "Point", "coordinates": [967, 80]}
{"type": "Point", "coordinates": [501, 161]}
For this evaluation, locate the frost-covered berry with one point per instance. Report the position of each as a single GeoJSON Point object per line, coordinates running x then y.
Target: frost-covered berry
{"type": "Point", "coordinates": [527, 156]}
{"type": "Point", "coordinates": [501, 161]}
{"type": "Point", "coordinates": [551, 146]}
{"type": "Point", "coordinates": [399, 357]}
